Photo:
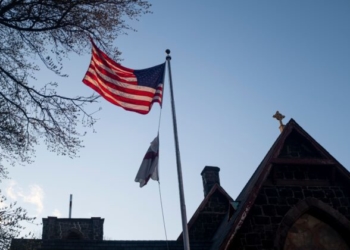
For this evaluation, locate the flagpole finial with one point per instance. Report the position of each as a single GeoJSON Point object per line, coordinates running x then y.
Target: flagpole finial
{"type": "Point", "coordinates": [168, 57]}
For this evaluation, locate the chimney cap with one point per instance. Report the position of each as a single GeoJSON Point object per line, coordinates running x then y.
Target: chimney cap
{"type": "Point", "coordinates": [210, 168]}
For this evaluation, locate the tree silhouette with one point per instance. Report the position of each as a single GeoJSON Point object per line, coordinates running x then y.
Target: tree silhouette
{"type": "Point", "coordinates": [49, 30]}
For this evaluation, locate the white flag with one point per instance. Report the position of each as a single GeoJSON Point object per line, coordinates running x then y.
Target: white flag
{"type": "Point", "coordinates": [149, 165]}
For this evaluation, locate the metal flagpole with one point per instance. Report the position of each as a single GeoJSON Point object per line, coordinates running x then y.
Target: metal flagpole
{"type": "Point", "coordinates": [178, 162]}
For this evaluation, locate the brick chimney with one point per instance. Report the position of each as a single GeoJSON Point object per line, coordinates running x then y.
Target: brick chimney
{"type": "Point", "coordinates": [210, 177]}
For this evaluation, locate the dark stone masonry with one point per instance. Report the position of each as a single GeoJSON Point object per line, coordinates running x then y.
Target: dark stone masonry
{"type": "Point", "coordinates": [265, 217]}
{"type": "Point", "coordinates": [85, 229]}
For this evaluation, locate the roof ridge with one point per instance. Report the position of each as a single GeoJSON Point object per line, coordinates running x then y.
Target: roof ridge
{"type": "Point", "coordinates": [204, 202]}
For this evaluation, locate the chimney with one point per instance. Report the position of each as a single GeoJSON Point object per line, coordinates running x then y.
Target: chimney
{"type": "Point", "coordinates": [210, 177]}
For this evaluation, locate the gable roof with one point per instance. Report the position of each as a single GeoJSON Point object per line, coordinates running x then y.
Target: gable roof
{"type": "Point", "coordinates": [204, 203]}
{"type": "Point", "coordinates": [229, 227]}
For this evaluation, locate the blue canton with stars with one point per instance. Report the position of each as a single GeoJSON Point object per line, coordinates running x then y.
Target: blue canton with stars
{"type": "Point", "coordinates": [150, 77]}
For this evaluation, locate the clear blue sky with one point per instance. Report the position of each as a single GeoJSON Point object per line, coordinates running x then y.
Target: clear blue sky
{"type": "Point", "coordinates": [234, 63]}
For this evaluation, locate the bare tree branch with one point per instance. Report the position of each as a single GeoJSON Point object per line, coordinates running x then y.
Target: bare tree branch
{"type": "Point", "coordinates": [12, 217]}
{"type": "Point", "coordinates": [50, 30]}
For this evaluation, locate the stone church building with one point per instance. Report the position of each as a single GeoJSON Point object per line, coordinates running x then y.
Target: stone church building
{"type": "Point", "coordinates": [297, 198]}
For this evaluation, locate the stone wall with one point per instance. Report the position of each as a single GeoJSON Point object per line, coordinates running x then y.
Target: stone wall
{"type": "Point", "coordinates": [279, 195]}
{"type": "Point", "coordinates": [87, 229]}
{"type": "Point", "coordinates": [210, 217]}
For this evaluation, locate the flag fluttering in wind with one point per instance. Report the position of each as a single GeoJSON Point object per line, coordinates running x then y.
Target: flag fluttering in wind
{"type": "Point", "coordinates": [149, 165]}
{"type": "Point", "coordinates": [133, 90]}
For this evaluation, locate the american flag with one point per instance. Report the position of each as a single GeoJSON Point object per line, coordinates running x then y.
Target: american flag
{"type": "Point", "coordinates": [133, 90]}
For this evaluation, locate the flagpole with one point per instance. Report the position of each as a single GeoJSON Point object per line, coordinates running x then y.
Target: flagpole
{"type": "Point", "coordinates": [178, 162]}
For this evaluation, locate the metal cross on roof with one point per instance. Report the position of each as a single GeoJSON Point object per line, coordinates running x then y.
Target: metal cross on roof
{"type": "Point", "coordinates": [279, 117]}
